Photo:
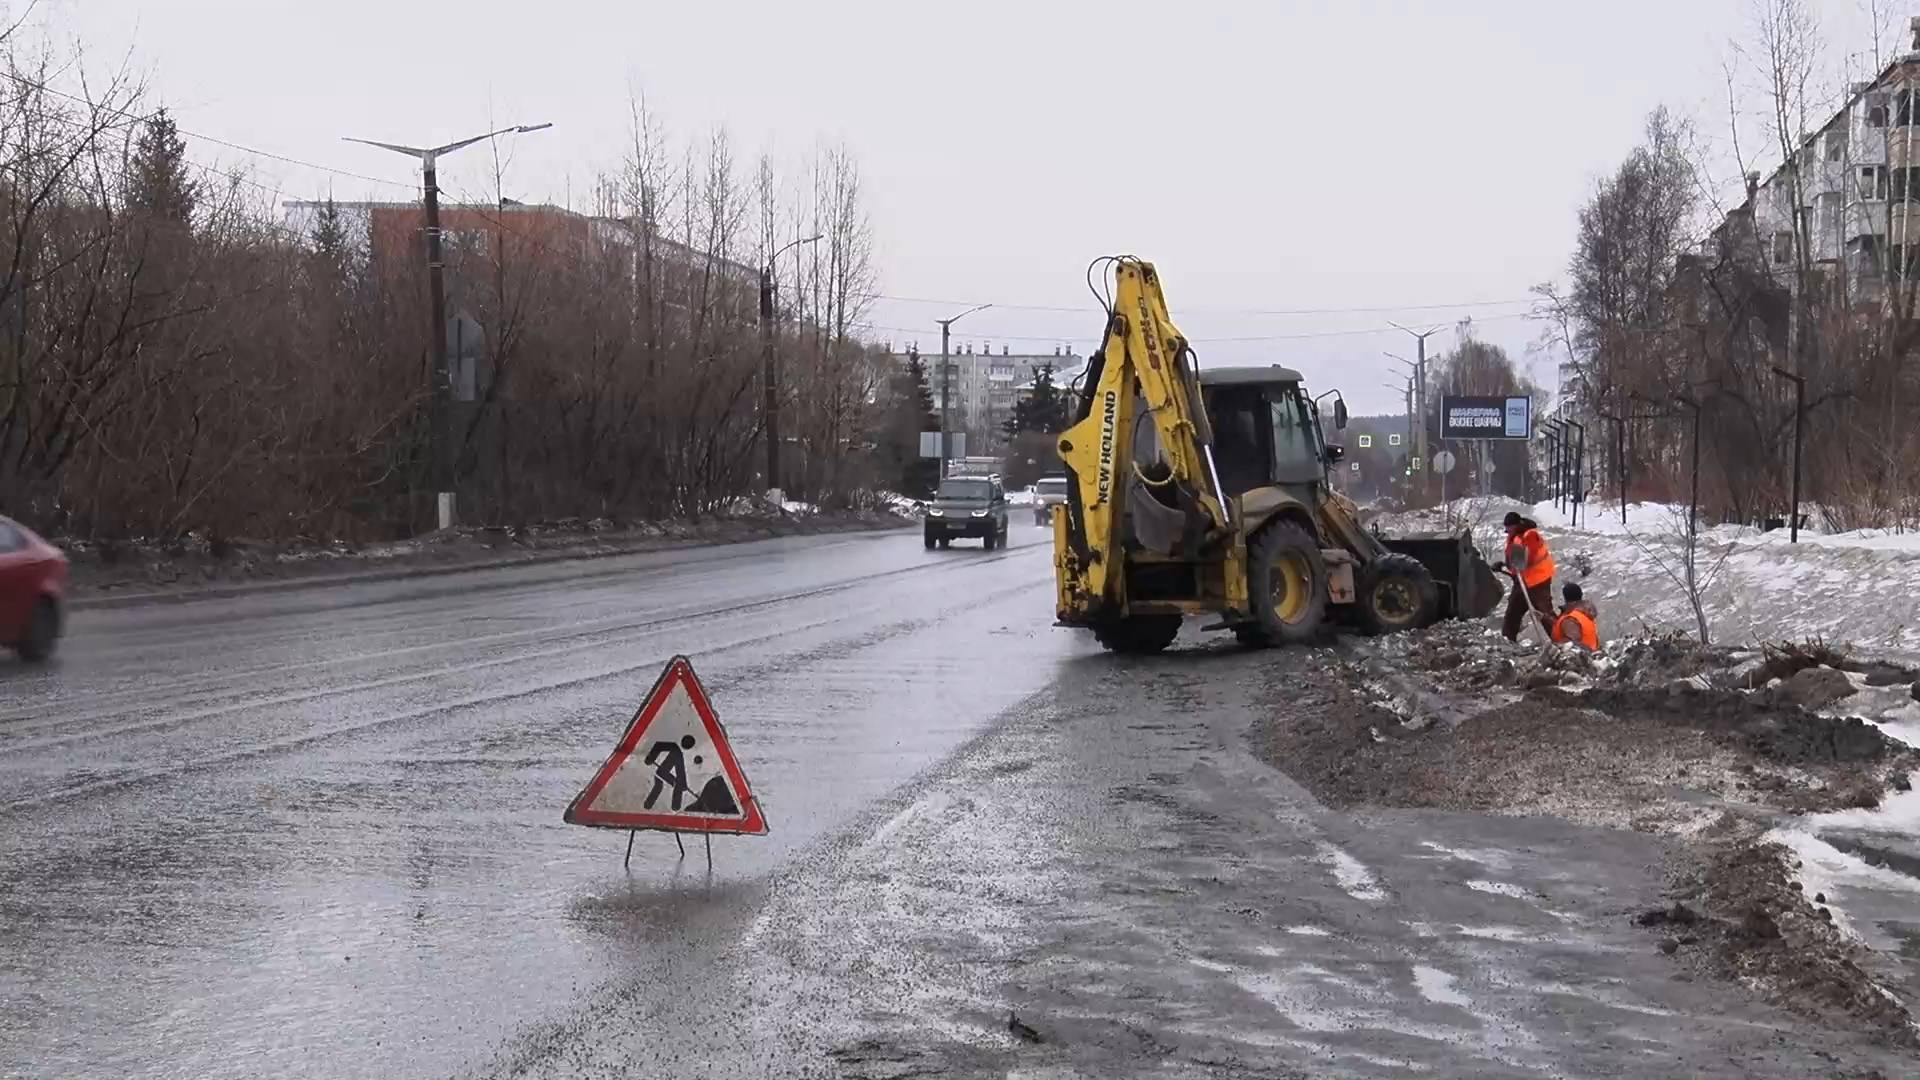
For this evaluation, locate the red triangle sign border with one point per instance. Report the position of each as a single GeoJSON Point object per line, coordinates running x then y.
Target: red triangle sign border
{"type": "Point", "coordinates": [678, 674]}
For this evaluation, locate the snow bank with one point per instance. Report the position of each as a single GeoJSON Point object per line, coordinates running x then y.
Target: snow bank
{"type": "Point", "coordinates": [1861, 587]}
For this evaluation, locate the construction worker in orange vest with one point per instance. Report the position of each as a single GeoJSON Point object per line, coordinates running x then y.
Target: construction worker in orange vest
{"type": "Point", "coordinates": [1531, 563]}
{"type": "Point", "coordinates": [1578, 620]}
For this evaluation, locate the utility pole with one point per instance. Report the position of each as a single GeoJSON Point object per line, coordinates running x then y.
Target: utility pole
{"type": "Point", "coordinates": [1799, 428]}
{"type": "Point", "coordinates": [440, 448]}
{"type": "Point", "coordinates": [946, 384]}
{"type": "Point", "coordinates": [1420, 376]}
{"type": "Point", "coordinates": [770, 364]}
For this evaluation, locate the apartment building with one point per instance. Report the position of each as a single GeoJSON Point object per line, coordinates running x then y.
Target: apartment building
{"type": "Point", "coordinates": [1848, 201]}
{"type": "Point", "coordinates": [986, 384]}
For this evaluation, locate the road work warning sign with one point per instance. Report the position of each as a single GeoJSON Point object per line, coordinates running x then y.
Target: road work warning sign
{"type": "Point", "coordinates": [673, 769]}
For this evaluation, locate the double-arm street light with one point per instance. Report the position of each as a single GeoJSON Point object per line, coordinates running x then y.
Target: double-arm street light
{"type": "Point", "coordinates": [440, 453]}
{"type": "Point", "coordinates": [769, 360]}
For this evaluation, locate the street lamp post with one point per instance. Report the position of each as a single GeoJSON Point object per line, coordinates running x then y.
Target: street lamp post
{"type": "Point", "coordinates": [440, 451]}
{"type": "Point", "coordinates": [946, 384]}
{"type": "Point", "coordinates": [770, 363]}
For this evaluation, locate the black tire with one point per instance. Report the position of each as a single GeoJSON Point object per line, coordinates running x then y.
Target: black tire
{"type": "Point", "coordinates": [1396, 593]}
{"type": "Point", "coordinates": [945, 543]}
{"type": "Point", "coordinates": [1138, 635]}
{"type": "Point", "coordinates": [930, 541]}
{"type": "Point", "coordinates": [43, 633]}
{"type": "Point", "coordinates": [990, 540]}
{"type": "Point", "coordinates": [1285, 557]}
{"type": "Point", "coordinates": [1040, 517]}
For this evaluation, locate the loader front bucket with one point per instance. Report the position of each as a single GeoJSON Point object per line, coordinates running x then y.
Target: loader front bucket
{"type": "Point", "coordinates": [1469, 589]}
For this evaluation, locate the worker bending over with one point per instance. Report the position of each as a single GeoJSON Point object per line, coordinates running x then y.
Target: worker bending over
{"type": "Point", "coordinates": [1578, 622]}
{"type": "Point", "coordinates": [1532, 566]}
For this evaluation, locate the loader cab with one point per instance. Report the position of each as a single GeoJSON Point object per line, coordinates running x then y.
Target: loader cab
{"type": "Point", "coordinates": [1266, 431]}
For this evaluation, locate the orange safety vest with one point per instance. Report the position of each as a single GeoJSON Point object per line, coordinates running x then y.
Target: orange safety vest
{"type": "Point", "coordinates": [1539, 569]}
{"type": "Point", "coordinates": [1577, 627]}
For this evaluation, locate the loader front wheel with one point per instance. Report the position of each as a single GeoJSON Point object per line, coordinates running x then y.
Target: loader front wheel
{"type": "Point", "coordinates": [1396, 593]}
{"type": "Point", "coordinates": [1287, 583]}
{"type": "Point", "coordinates": [1138, 634]}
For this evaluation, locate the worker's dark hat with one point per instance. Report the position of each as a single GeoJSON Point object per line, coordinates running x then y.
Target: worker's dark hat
{"type": "Point", "coordinates": [1570, 591]}
{"type": "Point", "coordinates": [1513, 518]}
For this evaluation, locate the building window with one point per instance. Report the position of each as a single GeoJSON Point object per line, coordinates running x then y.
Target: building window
{"type": "Point", "coordinates": [1876, 110]}
{"type": "Point", "coordinates": [1832, 214]}
{"type": "Point", "coordinates": [1782, 248]}
{"type": "Point", "coordinates": [1903, 108]}
{"type": "Point", "coordinates": [1873, 182]}
{"type": "Point", "coordinates": [1901, 259]}
{"type": "Point", "coordinates": [1867, 255]}
{"type": "Point", "coordinates": [1904, 184]}
{"type": "Point", "coordinates": [1836, 146]}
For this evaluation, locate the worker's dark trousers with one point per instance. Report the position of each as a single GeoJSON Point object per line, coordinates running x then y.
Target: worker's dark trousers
{"type": "Point", "coordinates": [1541, 596]}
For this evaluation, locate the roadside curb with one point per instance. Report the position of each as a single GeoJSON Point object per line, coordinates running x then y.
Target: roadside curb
{"type": "Point", "coordinates": [580, 553]}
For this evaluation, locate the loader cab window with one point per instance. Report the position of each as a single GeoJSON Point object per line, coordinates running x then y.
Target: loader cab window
{"type": "Point", "coordinates": [1241, 441]}
{"type": "Point", "coordinates": [1297, 456]}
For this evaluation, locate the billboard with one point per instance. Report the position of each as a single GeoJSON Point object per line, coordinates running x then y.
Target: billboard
{"type": "Point", "coordinates": [1465, 417]}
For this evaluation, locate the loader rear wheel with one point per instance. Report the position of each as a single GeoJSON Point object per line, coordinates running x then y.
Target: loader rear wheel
{"type": "Point", "coordinates": [1287, 583]}
{"type": "Point", "coordinates": [1396, 593]}
{"type": "Point", "coordinates": [1138, 634]}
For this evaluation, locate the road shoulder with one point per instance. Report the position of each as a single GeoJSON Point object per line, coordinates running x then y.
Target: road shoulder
{"type": "Point", "coordinates": [1112, 884]}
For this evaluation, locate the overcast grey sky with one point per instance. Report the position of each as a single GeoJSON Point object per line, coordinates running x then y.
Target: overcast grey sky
{"type": "Point", "coordinates": [1273, 155]}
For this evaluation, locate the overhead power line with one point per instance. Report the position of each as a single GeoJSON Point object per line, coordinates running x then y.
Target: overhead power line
{"type": "Point", "coordinates": [1307, 335]}
{"type": "Point", "coordinates": [1084, 308]}
{"type": "Point", "coordinates": [136, 118]}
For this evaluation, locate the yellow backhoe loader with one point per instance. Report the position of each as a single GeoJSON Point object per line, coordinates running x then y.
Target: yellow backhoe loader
{"type": "Point", "coordinates": [1206, 493]}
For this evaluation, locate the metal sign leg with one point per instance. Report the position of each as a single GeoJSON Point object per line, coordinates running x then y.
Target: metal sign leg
{"type": "Point", "coordinates": [629, 859]}
{"type": "Point", "coordinates": [681, 846]}
{"type": "Point", "coordinates": [709, 839]}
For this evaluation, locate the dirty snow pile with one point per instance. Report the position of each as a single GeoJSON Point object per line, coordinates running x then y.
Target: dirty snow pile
{"type": "Point", "coordinates": [1861, 587]}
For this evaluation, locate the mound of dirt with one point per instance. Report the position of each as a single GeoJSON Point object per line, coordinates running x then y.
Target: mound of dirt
{"type": "Point", "coordinates": [1758, 926]}
{"type": "Point", "coordinates": [1769, 727]}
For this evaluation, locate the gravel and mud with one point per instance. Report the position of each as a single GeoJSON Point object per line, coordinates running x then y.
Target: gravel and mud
{"type": "Point", "coordinates": [1712, 747]}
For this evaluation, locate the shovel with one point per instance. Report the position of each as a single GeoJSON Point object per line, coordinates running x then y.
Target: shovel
{"type": "Point", "coordinates": [1536, 619]}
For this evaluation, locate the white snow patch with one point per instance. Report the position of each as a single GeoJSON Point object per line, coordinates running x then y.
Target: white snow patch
{"type": "Point", "coordinates": [1499, 933]}
{"type": "Point", "coordinates": [1439, 987]}
{"type": "Point", "coordinates": [1501, 888]}
{"type": "Point", "coordinates": [1487, 857]}
{"type": "Point", "coordinates": [1309, 931]}
{"type": "Point", "coordinates": [1824, 869]}
{"type": "Point", "coordinates": [1352, 874]}
{"type": "Point", "coordinates": [1898, 813]}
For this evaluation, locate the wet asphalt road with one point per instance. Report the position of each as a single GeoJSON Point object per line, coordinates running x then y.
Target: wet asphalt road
{"type": "Point", "coordinates": [317, 834]}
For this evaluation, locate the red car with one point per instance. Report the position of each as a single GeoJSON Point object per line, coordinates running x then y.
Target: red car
{"type": "Point", "coordinates": [33, 582]}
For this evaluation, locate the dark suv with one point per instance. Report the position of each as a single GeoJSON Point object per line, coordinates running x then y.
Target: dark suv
{"type": "Point", "coordinates": [973, 506]}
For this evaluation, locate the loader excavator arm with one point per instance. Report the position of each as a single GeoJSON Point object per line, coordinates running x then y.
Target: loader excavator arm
{"type": "Point", "coordinates": [1143, 372]}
